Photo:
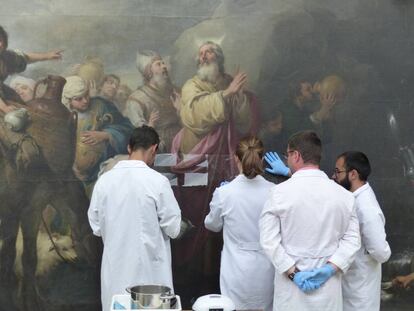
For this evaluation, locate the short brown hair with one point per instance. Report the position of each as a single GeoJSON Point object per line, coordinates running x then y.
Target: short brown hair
{"type": "Point", "coordinates": [250, 152]}
{"type": "Point", "coordinates": [308, 144]}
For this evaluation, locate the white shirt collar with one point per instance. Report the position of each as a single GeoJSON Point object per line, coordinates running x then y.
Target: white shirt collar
{"type": "Point", "coordinates": [130, 163]}
{"type": "Point", "coordinates": [312, 172]}
{"type": "Point", "coordinates": [242, 177]}
{"type": "Point", "coordinates": [361, 189]}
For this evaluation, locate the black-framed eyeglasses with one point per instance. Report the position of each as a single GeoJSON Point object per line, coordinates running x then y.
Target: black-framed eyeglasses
{"type": "Point", "coordinates": [286, 154]}
{"type": "Point", "coordinates": [336, 172]}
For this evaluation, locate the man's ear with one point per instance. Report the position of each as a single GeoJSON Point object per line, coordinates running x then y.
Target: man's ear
{"type": "Point", "coordinates": [354, 174]}
{"type": "Point", "coordinates": [129, 149]}
{"type": "Point", "coordinates": [154, 148]}
{"type": "Point", "coordinates": [298, 156]}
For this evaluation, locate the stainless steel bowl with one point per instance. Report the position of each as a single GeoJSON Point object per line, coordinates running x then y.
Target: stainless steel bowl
{"type": "Point", "coordinates": [151, 297]}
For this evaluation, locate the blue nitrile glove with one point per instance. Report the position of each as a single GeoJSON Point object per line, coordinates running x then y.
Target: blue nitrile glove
{"type": "Point", "coordinates": [118, 306]}
{"type": "Point", "coordinates": [309, 285]}
{"type": "Point", "coordinates": [322, 274]}
{"type": "Point", "coordinates": [224, 182]}
{"type": "Point", "coordinates": [277, 165]}
{"type": "Point", "coordinates": [302, 281]}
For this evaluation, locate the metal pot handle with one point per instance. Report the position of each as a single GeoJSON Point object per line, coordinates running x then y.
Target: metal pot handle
{"type": "Point", "coordinates": [128, 289]}
{"type": "Point", "coordinates": [167, 296]}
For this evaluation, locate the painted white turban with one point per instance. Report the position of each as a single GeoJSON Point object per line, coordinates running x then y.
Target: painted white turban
{"type": "Point", "coordinates": [145, 60]}
{"type": "Point", "coordinates": [75, 86]}
{"type": "Point", "coordinates": [20, 80]}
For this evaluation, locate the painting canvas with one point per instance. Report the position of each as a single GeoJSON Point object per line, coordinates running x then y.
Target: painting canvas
{"type": "Point", "coordinates": [78, 76]}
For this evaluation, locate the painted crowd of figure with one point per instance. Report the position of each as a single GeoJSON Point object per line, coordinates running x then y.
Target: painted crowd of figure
{"type": "Point", "coordinates": [56, 132]}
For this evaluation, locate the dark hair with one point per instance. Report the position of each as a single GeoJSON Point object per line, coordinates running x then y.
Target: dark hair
{"type": "Point", "coordinates": [308, 144]}
{"type": "Point", "coordinates": [143, 137]}
{"type": "Point", "coordinates": [111, 76]}
{"type": "Point", "coordinates": [250, 152]}
{"type": "Point", "coordinates": [356, 160]}
{"type": "Point", "coordinates": [295, 87]}
{"type": "Point", "coordinates": [4, 37]}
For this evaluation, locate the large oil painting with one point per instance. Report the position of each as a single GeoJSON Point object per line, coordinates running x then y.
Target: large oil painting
{"type": "Point", "coordinates": [77, 76]}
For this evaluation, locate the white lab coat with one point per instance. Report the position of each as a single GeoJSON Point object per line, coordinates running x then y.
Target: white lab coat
{"type": "Point", "coordinates": [309, 220]}
{"type": "Point", "coordinates": [246, 274]}
{"type": "Point", "coordinates": [135, 212]}
{"type": "Point", "coordinates": [361, 285]}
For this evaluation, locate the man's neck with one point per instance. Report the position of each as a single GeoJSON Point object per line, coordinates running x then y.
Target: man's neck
{"type": "Point", "coordinates": [355, 185]}
{"type": "Point", "coordinates": [153, 85]}
{"type": "Point", "coordinates": [139, 156]}
{"type": "Point", "coordinates": [167, 88]}
{"type": "Point", "coordinates": [307, 167]}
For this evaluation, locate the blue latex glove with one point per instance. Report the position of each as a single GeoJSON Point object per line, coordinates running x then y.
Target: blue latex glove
{"type": "Point", "coordinates": [224, 182]}
{"type": "Point", "coordinates": [118, 306]}
{"type": "Point", "coordinates": [277, 167]}
{"type": "Point", "coordinates": [322, 274]}
{"type": "Point", "coordinates": [308, 286]}
{"type": "Point", "coordinates": [302, 281]}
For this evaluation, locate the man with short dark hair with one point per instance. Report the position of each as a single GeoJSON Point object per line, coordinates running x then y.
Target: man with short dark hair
{"type": "Point", "coordinates": [135, 212]}
{"type": "Point", "coordinates": [309, 224]}
{"type": "Point", "coordinates": [361, 285]}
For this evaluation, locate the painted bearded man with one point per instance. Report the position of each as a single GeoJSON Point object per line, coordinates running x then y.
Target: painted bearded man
{"type": "Point", "coordinates": [154, 103]}
{"type": "Point", "coordinates": [215, 111]}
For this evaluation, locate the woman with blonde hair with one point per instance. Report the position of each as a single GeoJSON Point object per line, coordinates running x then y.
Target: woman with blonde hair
{"type": "Point", "coordinates": [246, 275]}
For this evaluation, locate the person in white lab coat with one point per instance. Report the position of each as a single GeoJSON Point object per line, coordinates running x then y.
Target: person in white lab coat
{"type": "Point", "coordinates": [309, 230]}
{"type": "Point", "coordinates": [361, 285]}
{"type": "Point", "coordinates": [246, 274]}
{"type": "Point", "coordinates": [134, 210]}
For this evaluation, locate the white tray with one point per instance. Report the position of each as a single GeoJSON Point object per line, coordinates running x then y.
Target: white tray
{"type": "Point", "coordinates": [125, 300]}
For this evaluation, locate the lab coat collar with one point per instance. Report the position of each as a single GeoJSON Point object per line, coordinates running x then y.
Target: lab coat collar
{"type": "Point", "coordinates": [130, 164]}
{"type": "Point", "coordinates": [241, 177]}
{"type": "Point", "coordinates": [312, 172]}
{"type": "Point", "coordinates": [361, 189]}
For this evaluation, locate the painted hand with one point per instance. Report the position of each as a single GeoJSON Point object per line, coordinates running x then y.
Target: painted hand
{"type": "Point", "coordinates": [94, 137]}
{"type": "Point", "coordinates": [176, 100]}
{"type": "Point", "coordinates": [56, 54]}
{"type": "Point", "coordinates": [403, 281]}
{"type": "Point", "coordinates": [277, 167]}
{"type": "Point", "coordinates": [236, 85]}
{"type": "Point", "coordinates": [153, 118]}
{"type": "Point", "coordinates": [93, 89]}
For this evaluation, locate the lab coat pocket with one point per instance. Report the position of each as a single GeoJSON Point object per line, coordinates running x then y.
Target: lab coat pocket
{"type": "Point", "coordinates": [250, 246]}
{"type": "Point", "coordinates": [248, 253]}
